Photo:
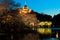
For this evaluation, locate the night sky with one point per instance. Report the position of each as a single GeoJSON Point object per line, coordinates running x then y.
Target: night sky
{"type": "Point", "coordinates": [50, 7]}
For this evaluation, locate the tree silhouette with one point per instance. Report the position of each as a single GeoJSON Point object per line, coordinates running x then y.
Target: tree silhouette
{"type": "Point", "coordinates": [56, 20]}
{"type": "Point", "coordinates": [9, 4]}
{"type": "Point", "coordinates": [43, 17]}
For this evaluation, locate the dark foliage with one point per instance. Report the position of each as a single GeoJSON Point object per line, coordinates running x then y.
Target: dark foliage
{"type": "Point", "coordinates": [56, 21]}
{"type": "Point", "coordinates": [43, 17]}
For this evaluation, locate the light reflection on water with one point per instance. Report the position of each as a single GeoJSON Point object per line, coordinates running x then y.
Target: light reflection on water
{"type": "Point", "coordinates": [52, 38]}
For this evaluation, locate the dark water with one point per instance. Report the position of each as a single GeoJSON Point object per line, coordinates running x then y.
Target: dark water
{"type": "Point", "coordinates": [55, 29]}
{"type": "Point", "coordinates": [50, 39]}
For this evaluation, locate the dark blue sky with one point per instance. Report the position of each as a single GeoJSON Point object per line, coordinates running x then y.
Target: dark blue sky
{"type": "Point", "coordinates": [50, 7]}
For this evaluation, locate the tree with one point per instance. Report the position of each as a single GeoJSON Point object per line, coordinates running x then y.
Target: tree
{"type": "Point", "coordinates": [8, 4]}
{"type": "Point", "coordinates": [56, 20]}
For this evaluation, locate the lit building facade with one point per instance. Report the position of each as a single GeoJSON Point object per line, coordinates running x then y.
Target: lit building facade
{"type": "Point", "coordinates": [24, 10]}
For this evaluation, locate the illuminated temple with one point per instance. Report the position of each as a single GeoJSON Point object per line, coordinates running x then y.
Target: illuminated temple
{"type": "Point", "coordinates": [24, 10]}
{"type": "Point", "coordinates": [28, 18]}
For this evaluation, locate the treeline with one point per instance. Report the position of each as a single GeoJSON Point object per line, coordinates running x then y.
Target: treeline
{"type": "Point", "coordinates": [55, 19]}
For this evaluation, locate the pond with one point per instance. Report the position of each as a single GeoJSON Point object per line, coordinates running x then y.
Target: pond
{"type": "Point", "coordinates": [50, 39]}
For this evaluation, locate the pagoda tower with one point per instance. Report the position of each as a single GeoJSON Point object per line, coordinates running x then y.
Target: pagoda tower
{"type": "Point", "coordinates": [24, 10]}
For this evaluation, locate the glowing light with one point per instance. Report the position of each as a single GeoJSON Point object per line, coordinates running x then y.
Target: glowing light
{"type": "Point", "coordinates": [47, 31]}
{"type": "Point", "coordinates": [44, 31]}
{"type": "Point", "coordinates": [41, 23]}
{"type": "Point", "coordinates": [45, 23]}
{"type": "Point", "coordinates": [24, 10]}
{"type": "Point", "coordinates": [49, 23]}
{"type": "Point", "coordinates": [32, 24]}
{"type": "Point", "coordinates": [57, 35]}
{"type": "Point", "coordinates": [40, 30]}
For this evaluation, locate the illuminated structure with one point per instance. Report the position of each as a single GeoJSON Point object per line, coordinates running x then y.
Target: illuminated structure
{"type": "Point", "coordinates": [24, 10]}
{"type": "Point", "coordinates": [57, 35]}
{"type": "Point", "coordinates": [28, 18]}
{"type": "Point", "coordinates": [45, 23]}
